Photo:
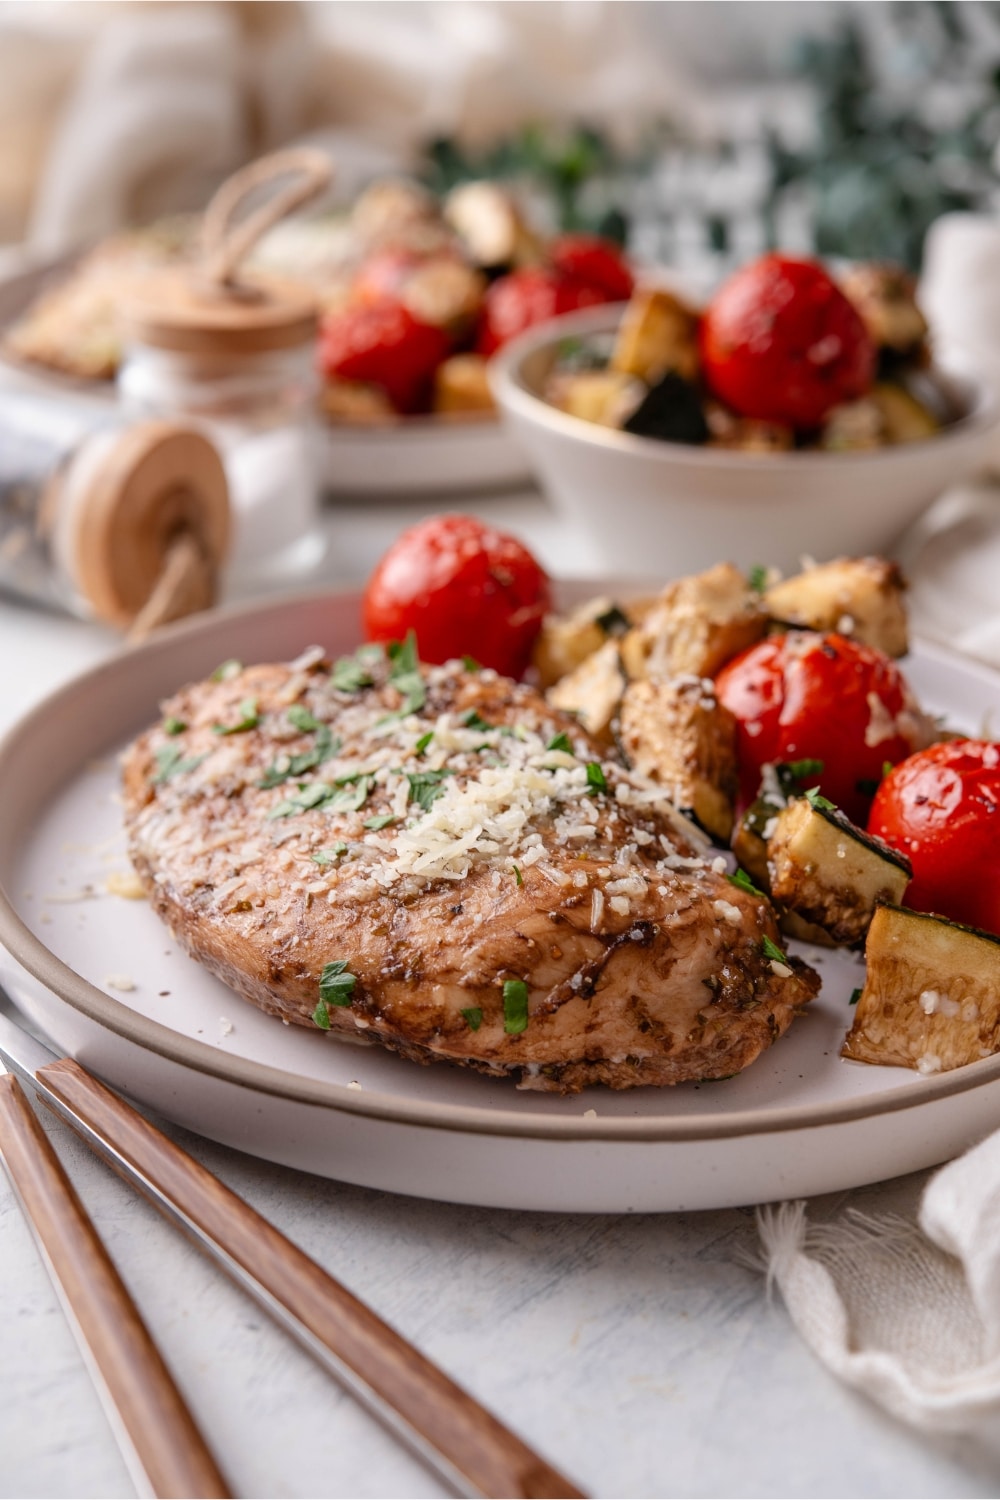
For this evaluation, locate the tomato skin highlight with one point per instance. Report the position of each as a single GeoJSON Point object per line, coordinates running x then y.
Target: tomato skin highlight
{"type": "Point", "coordinates": [941, 808]}
{"type": "Point", "coordinates": [781, 343]}
{"type": "Point", "coordinates": [804, 696]}
{"type": "Point", "coordinates": [382, 344]}
{"type": "Point", "coordinates": [594, 260]}
{"type": "Point", "coordinates": [465, 588]}
{"type": "Point", "coordinates": [524, 298]}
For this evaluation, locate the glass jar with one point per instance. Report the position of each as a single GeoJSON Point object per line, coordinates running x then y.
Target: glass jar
{"type": "Point", "coordinates": [239, 360]}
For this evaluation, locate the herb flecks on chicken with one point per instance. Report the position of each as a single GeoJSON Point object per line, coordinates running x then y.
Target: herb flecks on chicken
{"type": "Point", "coordinates": [502, 894]}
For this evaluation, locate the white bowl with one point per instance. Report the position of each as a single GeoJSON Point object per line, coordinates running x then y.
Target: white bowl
{"type": "Point", "coordinates": [651, 507]}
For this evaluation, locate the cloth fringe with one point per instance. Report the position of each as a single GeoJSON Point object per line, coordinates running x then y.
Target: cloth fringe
{"type": "Point", "coordinates": [895, 1308]}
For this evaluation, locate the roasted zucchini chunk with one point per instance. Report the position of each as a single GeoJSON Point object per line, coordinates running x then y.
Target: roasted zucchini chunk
{"type": "Point", "coordinates": [489, 224]}
{"type": "Point", "coordinates": [671, 412]}
{"type": "Point", "coordinates": [355, 401]}
{"type": "Point", "coordinates": [698, 624]}
{"type": "Point", "coordinates": [830, 873]}
{"type": "Point", "coordinates": [388, 211]}
{"type": "Point", "coordinates": [606, 397]}
{"type": "Point", "coordinates": [856, 596]}
{"type": "Point", "coordinates": [461, 385]}
{"type": "Point", "coordinates": [885, 298]}
{"type": "Point", "coordinates": [445, 293]}
{"type": "Point", "coordinates": [931, 998]}
{"type": "Point", "coordinates": [853, 427]}
{"type": "Point", "coordinates": [657, 336]}
{"type": "Point", "coordinates": [779, 783]}
{"type": "Point", "coordinates": [679, 735]}
{"type": "Point", "coordinates": [904, 418]}
{"type": "Point", "coordinates": [566, 641]}
{"type": "Point", "coordinates": [594, 691]}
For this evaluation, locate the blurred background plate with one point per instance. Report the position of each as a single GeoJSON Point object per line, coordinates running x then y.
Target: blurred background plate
{"type": "Point", "coordinates": [435, 456]}
{"type": "Point", "coordinates": [432, 456]}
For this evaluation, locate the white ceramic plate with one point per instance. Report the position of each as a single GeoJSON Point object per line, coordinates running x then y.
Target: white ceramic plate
{"type": "Point", "coordinates": [800, 1121]}
{"type": "Point", "coordinates": [412, 456]}
{"type": "Point", "coordinates": [420, 455]}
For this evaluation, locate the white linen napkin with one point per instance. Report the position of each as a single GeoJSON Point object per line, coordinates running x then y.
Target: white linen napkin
{"type": "Point", "coordinates": [908, 1314]}
{"type": "Point", "coordinates": [951, 558]}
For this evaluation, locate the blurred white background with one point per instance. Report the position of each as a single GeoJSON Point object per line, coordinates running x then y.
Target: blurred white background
{"type": "Point", "coordinates": [117, 112]}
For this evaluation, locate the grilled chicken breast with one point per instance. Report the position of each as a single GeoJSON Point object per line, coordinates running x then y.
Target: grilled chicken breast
{"type": "Point", "coordinates": [437, 860]}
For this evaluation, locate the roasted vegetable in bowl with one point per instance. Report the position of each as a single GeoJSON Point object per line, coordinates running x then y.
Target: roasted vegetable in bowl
{"type": "Point", "coordinates": [783, 357]}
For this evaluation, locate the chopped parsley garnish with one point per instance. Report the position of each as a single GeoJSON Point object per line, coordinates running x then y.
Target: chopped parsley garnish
{"type": "Point", "coordinates": [248, 719]}
{"type": "Point", "coordinates": [308, 797]}
{"type": "Point", "coordinates": [425, 787]}
{"type": "Point", "coordinates": [316, 794]}
{"type": "Point", "coordinates": [288, 766]}
{"type": "Point", "coordinates": [613, 621]}
{"type": "Point", "coordinates": [887, 766]}
{"type": "Point", "coordinates": [560, 742]}
{"type": "Point", "coordinates": [742, 881]}
{"type": "Point", "coordinates": [174, 726]}
{"type": "Point", "coordinates": [382, 821]}
{"type": "Point", "coordinates": [757, 578]}
{"type": "Point", "coordinates": [518, 876]}
{"type": "Point", "coordinates": [472, 720]}
{"type": "Point", "coordinates": [855, 996]}
{"type": "Point", "coordinates": [350, 674]}
{"type": "Point", "coordinates": [351, 798]}
{"type": "Point", "coordinates": [515, 1006]}
{"type": "Point", "coordinates": [821, 804]}
{"type": "Point", "coordinates": [771, 950]}
{"type": "Point", "coordinates": [470, 664]}
{"type": "Point", "coordinates": [405, 675]}
{"type": "Point", "coordinates": [327, 744]}
{"type": "Point", "coordinates": [303, 719]}
{"type": "Point", "coordinates": [596, 780]}
{"type": "Point", "coordinates": [276, 773]}
{"type": "Point", "coordinates": [336, 984]}
{"type": "Point", "coordinates": [227, 670]}
{"type": "Point", "coordinates": [473, 1017]}
{"type": "Point", "coordinates": [171, 761]}
{"type": "Point", "coordinates": [423, 742]}
{"type": "Point", "coordinates": [798, 770]}
{"type": "Point", "coordinates": [328, 856]}
{"type": "Point", "coordinates": [321, 1015]}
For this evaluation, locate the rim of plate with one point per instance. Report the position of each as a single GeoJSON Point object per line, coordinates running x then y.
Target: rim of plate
{"type": "Point", "coordinates": [514, 393]}
{"type": "Point", "coordinates": [31, 953]}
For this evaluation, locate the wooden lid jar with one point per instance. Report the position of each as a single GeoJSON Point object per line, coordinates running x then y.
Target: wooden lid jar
{"type": "Point", "coordinates": [234, 350]}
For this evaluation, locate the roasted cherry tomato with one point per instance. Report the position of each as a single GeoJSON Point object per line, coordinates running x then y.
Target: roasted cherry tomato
{"type": "Point", "coordinates": [530, 296]}
{"type": "Point", "coordinates": [803, 696]}
{"type": "Point", "coordinates": [596, 261]}
{"type": "Point", "coordinates": [464, 588]}
{"type": "Point", "coordinates": [781, 343]}
{"type": "Point", "coordinates": [941, 808]}
{"type": "Point", "coordinates": [384, 345]}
